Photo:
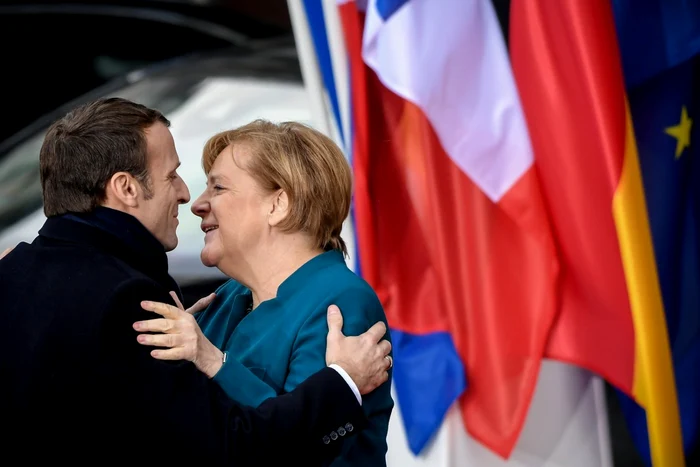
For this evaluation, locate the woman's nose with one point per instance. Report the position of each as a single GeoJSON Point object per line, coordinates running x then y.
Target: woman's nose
{"type": "Point", "coordinates": [201, 206]}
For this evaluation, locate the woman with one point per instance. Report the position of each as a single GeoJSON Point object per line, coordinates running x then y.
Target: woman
{"type": "Point", "coordinates": [272, 214]}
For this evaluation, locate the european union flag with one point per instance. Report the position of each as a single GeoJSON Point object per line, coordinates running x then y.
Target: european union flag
{"type": "Point", "coordinates": [656, 35]}
{"type": "Point", "coordinates": [660, 46]}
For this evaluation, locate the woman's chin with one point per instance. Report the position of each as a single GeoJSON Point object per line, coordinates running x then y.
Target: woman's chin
{"type": "Point", "coordinates": [207, 259]}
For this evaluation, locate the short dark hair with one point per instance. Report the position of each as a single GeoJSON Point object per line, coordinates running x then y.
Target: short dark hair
{"type": "Point", "coordinates": [82, 151]}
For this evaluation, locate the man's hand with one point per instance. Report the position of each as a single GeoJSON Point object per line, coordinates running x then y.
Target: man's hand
{"type": "Point", "coordinates": [364, 358]}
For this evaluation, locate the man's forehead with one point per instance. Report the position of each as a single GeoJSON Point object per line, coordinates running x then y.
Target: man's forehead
{"type": "Point", "coordinates": [160, 146]}
{"type": "Point", "coordinates": [163, 160]}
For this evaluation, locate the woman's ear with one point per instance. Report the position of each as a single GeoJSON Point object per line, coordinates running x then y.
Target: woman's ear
{"type": "Point", "coordinates": [279, 208]}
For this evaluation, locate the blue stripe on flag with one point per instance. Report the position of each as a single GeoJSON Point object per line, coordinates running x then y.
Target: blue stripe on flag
{"type": "Point", "coordinates": [317, 26]}
{"type": "Point", "coordinates": [429, 377]}
{"type": "Point", "coordinates": [386, 8]}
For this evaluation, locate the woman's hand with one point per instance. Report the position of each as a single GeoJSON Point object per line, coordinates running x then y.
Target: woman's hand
{"type": "Point", "coordinates": [180, 336]}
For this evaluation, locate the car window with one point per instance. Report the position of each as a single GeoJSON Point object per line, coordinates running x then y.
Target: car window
{"type": "Point", "coordinates": [20, 189]}
{"type": "Point", "coordinates": [20, 186]}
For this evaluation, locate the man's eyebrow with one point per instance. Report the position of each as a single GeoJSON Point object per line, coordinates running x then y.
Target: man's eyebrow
{"type": "Point", "coordinates": [172, 172]}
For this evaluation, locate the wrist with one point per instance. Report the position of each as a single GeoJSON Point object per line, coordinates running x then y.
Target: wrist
{"type": "Point", "coordinates": [349, 380]}
{"type": "Point", "coordinates": [212, 361]}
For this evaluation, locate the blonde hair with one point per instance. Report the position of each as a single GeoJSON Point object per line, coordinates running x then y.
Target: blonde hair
{"type": "Point", "coordinates": [303, 162]}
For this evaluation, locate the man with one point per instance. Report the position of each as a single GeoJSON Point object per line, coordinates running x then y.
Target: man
{"type": "Point", "coordinates": [77, 386]}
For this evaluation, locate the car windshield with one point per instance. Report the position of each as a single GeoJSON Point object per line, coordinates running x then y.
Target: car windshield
{"type": "Point", "coordinates": [197, 107]}
{"type": "Point", "coordinates": [20, 187]}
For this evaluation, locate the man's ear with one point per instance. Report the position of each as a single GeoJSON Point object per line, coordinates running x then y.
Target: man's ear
{"type": "Point", "coordinates": [279, 208]}
{"type": "Point", "coordinates": [124, 189]}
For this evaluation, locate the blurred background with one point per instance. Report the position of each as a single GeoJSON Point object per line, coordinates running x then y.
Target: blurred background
{"type": "Point", "coordinates": [210, 65]}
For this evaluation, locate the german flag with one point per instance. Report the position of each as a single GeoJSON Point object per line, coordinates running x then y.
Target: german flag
{"type": "Point", "coordinates": [584, 119]}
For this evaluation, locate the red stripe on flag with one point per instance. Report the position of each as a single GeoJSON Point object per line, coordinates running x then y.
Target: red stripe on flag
{"type": "Point", "coordinates": [576, 117]}
{"type": "Point", "coordinates": [352, 22]}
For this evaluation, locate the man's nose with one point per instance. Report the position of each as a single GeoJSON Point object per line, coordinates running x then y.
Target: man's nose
{"type": "Point", "coordinates": [184, 195]}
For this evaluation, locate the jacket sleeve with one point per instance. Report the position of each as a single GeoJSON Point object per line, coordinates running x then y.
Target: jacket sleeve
{"type": "Point", "coordinates": [361, 309]}
{"type": "Point", "coordinates": [177, 404]}
{"type": "Point", "coordinates": [240, 384]}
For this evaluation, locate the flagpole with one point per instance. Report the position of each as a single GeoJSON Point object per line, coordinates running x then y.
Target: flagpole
{"type": "Point", "coordinates": [341, 71]}
{"type": "Point", "coordinates": [602, 423]}
{"type": "Point", "coordinates": [313, 81]}
{"type": "Point", "coordinates": [310, 70]}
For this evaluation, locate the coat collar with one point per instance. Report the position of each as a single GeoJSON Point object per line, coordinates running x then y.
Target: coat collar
{"type": "Point", "coordinates": [308, 269]}
{"type": "Point", "coordinates": [117, 234]}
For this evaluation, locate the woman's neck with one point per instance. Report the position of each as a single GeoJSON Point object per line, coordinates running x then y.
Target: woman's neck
{"type": "Point", "coordinates": [274, 265]}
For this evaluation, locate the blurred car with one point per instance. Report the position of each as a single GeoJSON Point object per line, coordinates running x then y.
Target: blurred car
{"type": "Point", "coordinates": [83, 43]}
{"type": "Point", "coordinates": [201, 95]}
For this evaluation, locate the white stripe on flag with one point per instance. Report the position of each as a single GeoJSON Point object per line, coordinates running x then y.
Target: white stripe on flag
{"type": "Point", "coordinates": [451, 61]}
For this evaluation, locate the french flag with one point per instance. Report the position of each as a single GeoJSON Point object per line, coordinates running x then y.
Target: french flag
{"type": "Point", "coordinates": [451, 228]}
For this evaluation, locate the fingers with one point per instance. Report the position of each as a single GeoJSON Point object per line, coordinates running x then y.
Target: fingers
{"type": "Point", "coordinates": [335, 322]}
{"type": "Point", "coordinates": [169, 354]}
{"type": "Point", "coordinates": [159, 340]}
{"type": "Point", "coordinates": [201, 304]}
{"type": "Point", "coordinates": [385, 347]}
{"type": "Point", "coordinates": [389, 361]}
{"type": "Point", "coordinates": [376, 332]}
{"type": "Point", "coordinates": [177, 300]}
{"type": "Point", "coordinates": [163, 309]}
{"type": "Point", "coordinates": [155, 325]}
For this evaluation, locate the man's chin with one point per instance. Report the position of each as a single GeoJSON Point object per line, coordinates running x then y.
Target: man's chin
{"type": "Point", "coordinates": [170, 245]}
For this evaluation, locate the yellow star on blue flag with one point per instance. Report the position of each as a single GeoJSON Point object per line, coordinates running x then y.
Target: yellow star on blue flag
{"type": "Point", "coordinates": [681, 132]}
